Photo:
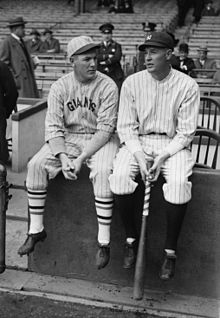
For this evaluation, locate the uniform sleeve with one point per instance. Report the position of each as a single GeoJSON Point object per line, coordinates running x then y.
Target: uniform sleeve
{"type": "Point", "coordinates": [128, 125]}
{"type": "Point", "coordinates": [54, 122]}
{"type": "Point", "coordinates": [187, 119]}
{"type": "Point", "coordinates": [107, 114]}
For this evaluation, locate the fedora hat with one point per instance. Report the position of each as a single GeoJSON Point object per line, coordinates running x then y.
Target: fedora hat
{"type": "Point", "coordinates": [203, 48]}
{"type": "Point", "coordinates": [35, 31]}
{"type": "Point", "coordinates": [47, 30]}
{"type": "Point", "coordinates": [16, 22]}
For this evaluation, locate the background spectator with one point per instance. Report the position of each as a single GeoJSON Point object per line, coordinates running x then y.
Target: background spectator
{"type": "Point", "coordinates": [186, 64]}
{"type": "Point", "coordinates": [50, 44]}
{"type": "Point", "coordinates": [204, 63]}
{"type": "Point", "coordinates": [8, 98]}
{"type": "Point", "coordinates": [109, 55]}
{"type": "Point", "coordinates": [34, 44]}
{"type": "Point", "coordinates": [209, 10]}
{"type": "Point", "coordinates": [14, 53]}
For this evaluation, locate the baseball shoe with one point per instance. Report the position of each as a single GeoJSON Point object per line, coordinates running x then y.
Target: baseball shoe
{"type": "Point", "coordinates": [31, 241]}
{"type": "Point", "coordinates": [102, 256]}
{"type": "Point", "coordinates": [129, 255]}
{"type": "Point", "coordinates": [168, 267]}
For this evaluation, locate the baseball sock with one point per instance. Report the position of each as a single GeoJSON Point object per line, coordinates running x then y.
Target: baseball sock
{"type": "Point", "coordinates": [104, 216]}
{"type": "Point", "coordinates": [36, 203]}
{"type": "Point", "coordinates": [175, 216]}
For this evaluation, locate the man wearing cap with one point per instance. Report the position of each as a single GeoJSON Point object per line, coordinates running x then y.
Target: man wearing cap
{"type": "Point", "coordinates": [80, 128]}
{"type": "Point", "coordinates": [34, 44]}
{"type": "Point", "coordinates": [109, 55]}
{"type": "Point", "coordinates": [14, 53]}
{"type": "Point", "coordinates": [204, 63]}
{"type": "Point", "coordinates": [157, 120]}
{"type": "Point", "coordinates": [50, 44]}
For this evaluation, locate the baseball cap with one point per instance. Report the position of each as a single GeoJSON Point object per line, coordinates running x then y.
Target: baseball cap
{"type": "Point", "coordinates": [158, 39]}
{"type": "Point", "coordinates": [80, 44]}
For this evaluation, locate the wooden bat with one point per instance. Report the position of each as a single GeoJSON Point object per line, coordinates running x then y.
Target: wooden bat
{"type": "Point", "coordinates": [138, 289]}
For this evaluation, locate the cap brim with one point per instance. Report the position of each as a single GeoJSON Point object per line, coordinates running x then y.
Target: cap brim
{"type": "Point", "coordinates": [142, 47]}
{"type": "Point", "coordinates": [86, 48]}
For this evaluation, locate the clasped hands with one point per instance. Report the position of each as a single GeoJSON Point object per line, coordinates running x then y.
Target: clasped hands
{"type": "Point", "coordinates": [70, 168]}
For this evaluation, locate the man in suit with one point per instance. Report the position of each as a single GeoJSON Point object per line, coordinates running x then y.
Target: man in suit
{"type": "Point", "coordinates": [34, 44]}
{"type": "Point", "coordinates": [14, 53]}
{"type": "Point", "coordinates": [109, 55]}
{"type": "Point", "coordinates": [204, 63]}
{"type": "Point", "coordinates": [185, 63]}
{"type": "Point", "coordinates": [50, 44]}
{"type": "Point", "coordinates": [8, 98]}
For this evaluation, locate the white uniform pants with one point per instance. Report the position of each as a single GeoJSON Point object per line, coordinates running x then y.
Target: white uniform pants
{"type": "Point", "coordinates": [176, 170]}
{"type": "Point", "coordinates": [44, 165]}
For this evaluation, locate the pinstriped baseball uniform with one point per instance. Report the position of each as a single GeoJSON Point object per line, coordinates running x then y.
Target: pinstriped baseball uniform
{"type": "Point", "coordinates": [76, 111]}
{"type": "Point", "coordinates": [162, 116]}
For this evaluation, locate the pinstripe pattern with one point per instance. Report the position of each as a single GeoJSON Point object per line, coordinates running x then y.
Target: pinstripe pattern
{"type": "Point", "coordinates": [74, 107]}
{"type": "Point", "coordinates": [169, 106]}
{"type": "Point", "coordinates": [45, 165]}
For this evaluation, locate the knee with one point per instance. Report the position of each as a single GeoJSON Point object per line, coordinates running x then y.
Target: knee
{"type": "Point", "coordinates": [178, 192]}
{"type": "Point", "coordinates": [121, 183]}
{"type": "Point", "coordinates": [35, 165]}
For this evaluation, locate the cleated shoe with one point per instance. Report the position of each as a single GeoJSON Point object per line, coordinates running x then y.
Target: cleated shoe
{"type": "Point", "coordinates": [31, 241]}
{"type": "Point", "coordinates": [102, 256]}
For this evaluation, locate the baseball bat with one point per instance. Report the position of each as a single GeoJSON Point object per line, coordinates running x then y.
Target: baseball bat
{"type": "Point", "coordinates": [139, 275]}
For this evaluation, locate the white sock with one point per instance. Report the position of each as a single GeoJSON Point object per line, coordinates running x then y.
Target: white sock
{"type": "Point", "coordinates": [104, 217]}
{"type": "Point", "coordinates": [130, 240]}
{"type": "Point", "coordinates": [36, 203]}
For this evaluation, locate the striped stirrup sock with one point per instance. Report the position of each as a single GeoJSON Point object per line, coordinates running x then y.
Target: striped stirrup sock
{"type": "Point", "coordinates": [36, 203]}
{"type": "Point", "coordinates": [104, 216]}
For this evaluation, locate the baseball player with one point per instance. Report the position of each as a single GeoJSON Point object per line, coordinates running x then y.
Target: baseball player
{"type": "Point", "coordinates": [80, 125]}
{"type": "Point", "coordinates": [109, 55]}
{"type": "Point", "coordinates": [157, 118]}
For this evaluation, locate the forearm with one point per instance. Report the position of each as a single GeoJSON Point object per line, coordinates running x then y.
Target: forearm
{"type": "Point", "coordinates": [57, 145]}
{"type": "Point", "coordinates": [98, 140]}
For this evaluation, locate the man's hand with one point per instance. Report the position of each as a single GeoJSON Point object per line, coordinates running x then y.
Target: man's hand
{"type": "Point", "coordinates": [68, 168]}
{"type": "Point", "coordinates": [154, 171]}
{"type": "Point", "coordinates": [140, 158]}
{"type": "Point", "coordinates": [77, 164]}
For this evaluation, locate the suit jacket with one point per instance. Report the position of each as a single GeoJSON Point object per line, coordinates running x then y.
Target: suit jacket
{"type": "Point", "coordinates": [209, 64]}
{"type": "Point", "coordinates": [21, 65]}
{"type": "Point", "coordinates": [53, 44]}
{"type": "Point", "coordinates": [189, 66]}
{"type": "Point", "coordinates": [108, 58]}
{"type": "Point", "coordinates": [34, 47]}
{"type": "Point", "coordinates": [8, 99]}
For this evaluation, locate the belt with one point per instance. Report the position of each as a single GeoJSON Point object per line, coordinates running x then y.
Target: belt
{"type": "Point", "coordinates": [153, 133]}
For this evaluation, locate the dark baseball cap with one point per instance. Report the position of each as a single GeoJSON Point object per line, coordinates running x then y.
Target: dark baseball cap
{"type": "Point", "coordinates": [158, 39]}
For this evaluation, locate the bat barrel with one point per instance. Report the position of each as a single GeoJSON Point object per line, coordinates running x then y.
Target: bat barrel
{"type": "Point", "coordinates": [139, 276]}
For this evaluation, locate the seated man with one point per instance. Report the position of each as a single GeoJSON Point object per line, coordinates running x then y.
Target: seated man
{"type": "Point", "coordinates": [157, 119]}
{"type": "Point", "coordinates": [34, 44]}
{"type": "Point", "coordinates": [186, 64]}
{"type": "Point", "coordinates": [50, 44]}
{"type": "Point", "coordinates": [80, 125]}
{"type": "Point", "coordinates": [204, 63]}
